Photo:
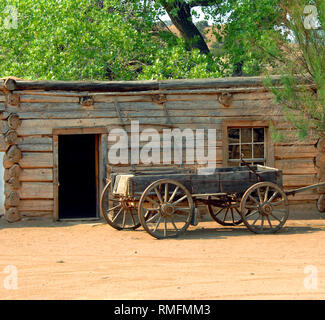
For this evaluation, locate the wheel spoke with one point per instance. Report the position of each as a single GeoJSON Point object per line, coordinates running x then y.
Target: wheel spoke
{"type": "Point", "coordinates": [179, 200]}
{"type": "Point", "coordinates": [159, 195]}
{"type": "Point", "coordinates": [220, 210]}
{"type": "Point", "coordinates": [268, 219]}
{"type": "Point", "coordinates": [165, 230]}
{"type": "Point", "coordinates": [273, 196]}
{"type": "Point", "coordinates": [260, 195]}
{"type": "Point", "coordinates": [255, 220]}
{"type": "Point", "coordinates": [124, 219]}
{"type": "Point", "coordinates": [182, 208]}
{"type": "Point", "coordinates": [275, 217]}
{"type": "Point", "coordinates": [173, 194]}
{"type": "Point", "coordinates": [232, 215]}
{"type": "Point", "coordinates": [251, 213]}
{"type": "Point", "coordinates": [117, 215]}
{"type": "Point", "coordinates": [152, 209]}
{"type": "Point", "coordinates": [252, 198]}
{"type": "Point", "coordinates": [266, 193]}
{"type": "Point", "coordinates": [150, 219]}
{"type": "Point", "coordinates": [152, 201]}
{"type": "Point", "coordinates": [277, 203]}
{"type": "Point", "coordinates": [262, 223]}
{"type": "Point", "coordinates": [157, 224]}
{"type": "Point", "coordinates": [111, 209]}
{"type": "Point", "coordinates": [224, 218]}
{"type": "Point", "coordinates": [132, 217]}
{"type": "Point", "coordinates": [173, 223]}
{"type": "Point", "coordinates": [166, 192]}
{"type": "Point", "coordinates": [251, 207]}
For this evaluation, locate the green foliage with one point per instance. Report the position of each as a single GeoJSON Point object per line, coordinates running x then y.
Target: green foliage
{"type": "Point", "coordinates": [302, 85]}
{"type": "Point", "coordinates": [178, 63]}
{"type": "Point", "coordinates": [96, 39]}
{"type": "Point", "coordinates": [247, 30]}
{"type": "Point", "coordinates": [63, 39]}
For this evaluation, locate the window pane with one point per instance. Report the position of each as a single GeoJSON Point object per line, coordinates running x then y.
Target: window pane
{"type": "Point", "coordinates": [246, 135]}
{"type": "Point", "coordinates": [258, 151]}
{"type": "Point", "coordinates": [246, 149]}
{"type": "Point", "coordinates": [234, 152]}
{"type": "Point", "coordinates": [233, 135]}
{"type": "Point", "coordinates": [258, 134]}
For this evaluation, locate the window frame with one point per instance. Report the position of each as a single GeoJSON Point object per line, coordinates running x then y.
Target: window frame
{"type": "Point", "coordinates": [269, 147]}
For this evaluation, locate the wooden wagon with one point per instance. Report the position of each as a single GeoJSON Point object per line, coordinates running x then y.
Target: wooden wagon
{"type": "Point", "coordinates": [165, 202]}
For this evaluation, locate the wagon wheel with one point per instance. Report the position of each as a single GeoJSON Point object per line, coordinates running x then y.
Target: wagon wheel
{"type": "Point", "coordinates": [269, 208]}
{"type": "Point", "coordinates": [227, 214]}
{"type": "Point", "coordinates": [116, 211]}
{"type": "Point", "coordinates": [165, 209]}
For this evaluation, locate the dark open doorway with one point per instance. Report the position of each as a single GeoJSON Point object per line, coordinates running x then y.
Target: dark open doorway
{"type": "Point", "coordinates": [78, 172]}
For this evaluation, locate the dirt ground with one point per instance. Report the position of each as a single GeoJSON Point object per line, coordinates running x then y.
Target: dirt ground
{"type": "Point", "coordinates": [90, 260]}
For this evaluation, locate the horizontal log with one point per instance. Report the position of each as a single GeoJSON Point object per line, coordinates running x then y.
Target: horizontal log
{"type": "Point", "coordinates": [294, 163]}
{"type": "Point", "coordinates": [36, 160]}
{"type": "Point", "coordinates": [37, 139]}
{"type": "Point", "coordinates": [298, 180]}
{"type": "Point", "coordinates": [36, 205]}
{"type": "Point", "coordinates": [36, 190]}
{"type": "Point", "coordinates": [213, 83]}
{"type": "Point", "coordinates": [294, 152]}
{"type": "Point", "coordinates": [34, 214]}
{"type": "Point", "coordinates": [49, 99]}
{"type": "Point", "coordinates": [40, 175]}
{"type": "Point", "coordinates": [45, 126]}
{"type": "Point", "coordinates": [36, 147]}
{"type": "Point", "coordinates": [116, 86]}
{"type": "Point", "coordinates": [290, 138]}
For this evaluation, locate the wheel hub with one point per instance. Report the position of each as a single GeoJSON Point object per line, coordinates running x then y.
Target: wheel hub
{"type": "Point", "coordinates": [167, 209]}
{"type": "Point", "coordinates": [265, 209]}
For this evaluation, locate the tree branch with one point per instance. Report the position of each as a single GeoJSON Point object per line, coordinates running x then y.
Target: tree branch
{"type": "Point", "coordinates": [179, 12]}
{"type": "Point", "coordinates": [201, 3]}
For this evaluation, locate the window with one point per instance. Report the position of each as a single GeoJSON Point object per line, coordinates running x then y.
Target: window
{"type": "Point", "coordinates": [248, 141]}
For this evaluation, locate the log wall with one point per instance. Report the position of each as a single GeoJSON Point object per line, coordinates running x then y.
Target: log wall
{"type": "Point", "coordinates": [31, 115]}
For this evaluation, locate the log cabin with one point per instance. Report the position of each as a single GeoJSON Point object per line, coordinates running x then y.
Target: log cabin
{"type": "Point", "coordinates": [56, 135]}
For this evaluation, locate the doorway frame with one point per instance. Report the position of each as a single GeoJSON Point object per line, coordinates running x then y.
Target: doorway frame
{"type": "Point", "coordinates": [101, 162]}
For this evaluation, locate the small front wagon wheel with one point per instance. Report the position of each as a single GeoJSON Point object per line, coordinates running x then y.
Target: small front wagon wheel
{"type": "Point", "coordinates": [116, 212]}
{"type": "Point", "coordinates": [268, 205]}
{"type": "Point", "coordinates": [227, 214]}
{"type": "Point", "coordinates": [165, 209]}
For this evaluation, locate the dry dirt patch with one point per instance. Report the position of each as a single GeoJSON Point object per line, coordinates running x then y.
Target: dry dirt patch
{"type": "Point", "coordinates": [65, 260]}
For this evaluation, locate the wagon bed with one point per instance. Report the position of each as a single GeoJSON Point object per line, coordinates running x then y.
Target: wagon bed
{"type": "Point", "coordinates": [203, 182]}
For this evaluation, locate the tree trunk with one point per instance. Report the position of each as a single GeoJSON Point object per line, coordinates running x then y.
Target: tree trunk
{"type": "Point", "coordinates": [180, 14]}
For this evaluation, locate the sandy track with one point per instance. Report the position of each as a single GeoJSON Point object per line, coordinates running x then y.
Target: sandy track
{"type": "Point", "coordinates": [66, 260]}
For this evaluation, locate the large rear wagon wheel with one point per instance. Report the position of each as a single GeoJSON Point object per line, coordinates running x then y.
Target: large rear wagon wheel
{"type": "Point", "coordinates": [116, 211]}
{"type": "Point", "coordinates": [269, 208]}
{"type": "Point", "coordinates": [165, 209]}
